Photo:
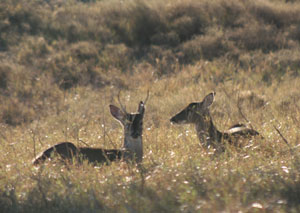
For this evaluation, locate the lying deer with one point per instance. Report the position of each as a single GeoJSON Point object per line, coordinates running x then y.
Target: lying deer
{"type": "Point", "coordinates": [132, 149]}
{"type": "Point", "coordinates": [209, 136]}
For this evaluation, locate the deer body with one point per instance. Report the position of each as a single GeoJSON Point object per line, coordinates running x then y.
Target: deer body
{"type": "Point", "coordinates": [132, 149]}
{"type": "Point", "coordinates": [136, 147]}
{"type": "Point", "coordinates": [67, 150]}
{"type": "Point", "coordinates": [209, 136]}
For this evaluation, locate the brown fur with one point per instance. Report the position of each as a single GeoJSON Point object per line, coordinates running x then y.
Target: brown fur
{"type": "Point", "coordinates": [132, 148]}
{"type": "Point", "coordinates": [198, 113]}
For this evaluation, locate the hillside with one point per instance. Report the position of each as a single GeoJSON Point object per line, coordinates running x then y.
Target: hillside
{"type": "Point", "coordinates": [63, 62]}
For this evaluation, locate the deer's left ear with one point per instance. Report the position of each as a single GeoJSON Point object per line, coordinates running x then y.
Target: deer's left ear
{"type": "Point", "coordinates": [209, 99]}
{"type": "Point", "coordinates": [116, 112]}
{"type": "Point", "coordinates": [141, 108]}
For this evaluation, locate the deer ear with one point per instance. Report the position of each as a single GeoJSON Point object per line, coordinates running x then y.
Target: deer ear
{"type": "Point", "coordinates": [116, 112]}
{"type": "Point", "coordinates": [141, 108]}
{"type": "Point", "coordinates": [209, 99]}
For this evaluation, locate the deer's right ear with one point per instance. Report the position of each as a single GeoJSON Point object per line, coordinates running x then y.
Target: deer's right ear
{"type": "Point", "coordinates": [141, 108]}
{"type": "Point", "coordinates": [209, 99]}
{"type": "Point", "coordinates": [116, 112]}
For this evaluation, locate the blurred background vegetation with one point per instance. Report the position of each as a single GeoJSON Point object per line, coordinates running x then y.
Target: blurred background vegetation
{"type": "Point", "coordinates": [47, 47]}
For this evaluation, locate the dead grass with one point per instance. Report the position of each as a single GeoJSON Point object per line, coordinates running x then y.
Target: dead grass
{"type": "Point", "coordinates": [178, 174]}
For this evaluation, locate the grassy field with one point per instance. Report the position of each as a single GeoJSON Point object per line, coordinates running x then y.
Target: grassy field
{"type": "Point", "coordinates": [63, 62]}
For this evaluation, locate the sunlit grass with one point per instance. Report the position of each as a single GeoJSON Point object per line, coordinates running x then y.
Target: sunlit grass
{"type": "Point", "coordinates": [178, 174]}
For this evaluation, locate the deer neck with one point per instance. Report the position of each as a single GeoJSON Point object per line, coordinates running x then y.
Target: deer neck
{"type": "Point", "coordinates": [134, 146]}
{"type": "Point", "coordinates": [207, 133]}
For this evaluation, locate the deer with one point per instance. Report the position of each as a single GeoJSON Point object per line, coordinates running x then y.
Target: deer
{"type": "Point", "coordinates": [132, 148]}
{"type": "Point", "coordinates": [209, 136]}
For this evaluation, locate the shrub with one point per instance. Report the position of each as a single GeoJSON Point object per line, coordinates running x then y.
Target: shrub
{"type": "Point", "coordinates": [203, 47]}
{"type": "Point", "coordinates": [269, 38]}
{"type": "Point", "coordinates": [187, 20]}
{"type": "Point", "coordinates": [15, 113]}
{"type": "Point", "coordinates": [144, 23]}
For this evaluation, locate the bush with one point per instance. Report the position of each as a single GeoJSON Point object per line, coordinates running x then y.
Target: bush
{"type": "Point", "coordinates": [187, 20]}
{"type": "Point", "coordinates": [203, 47]}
